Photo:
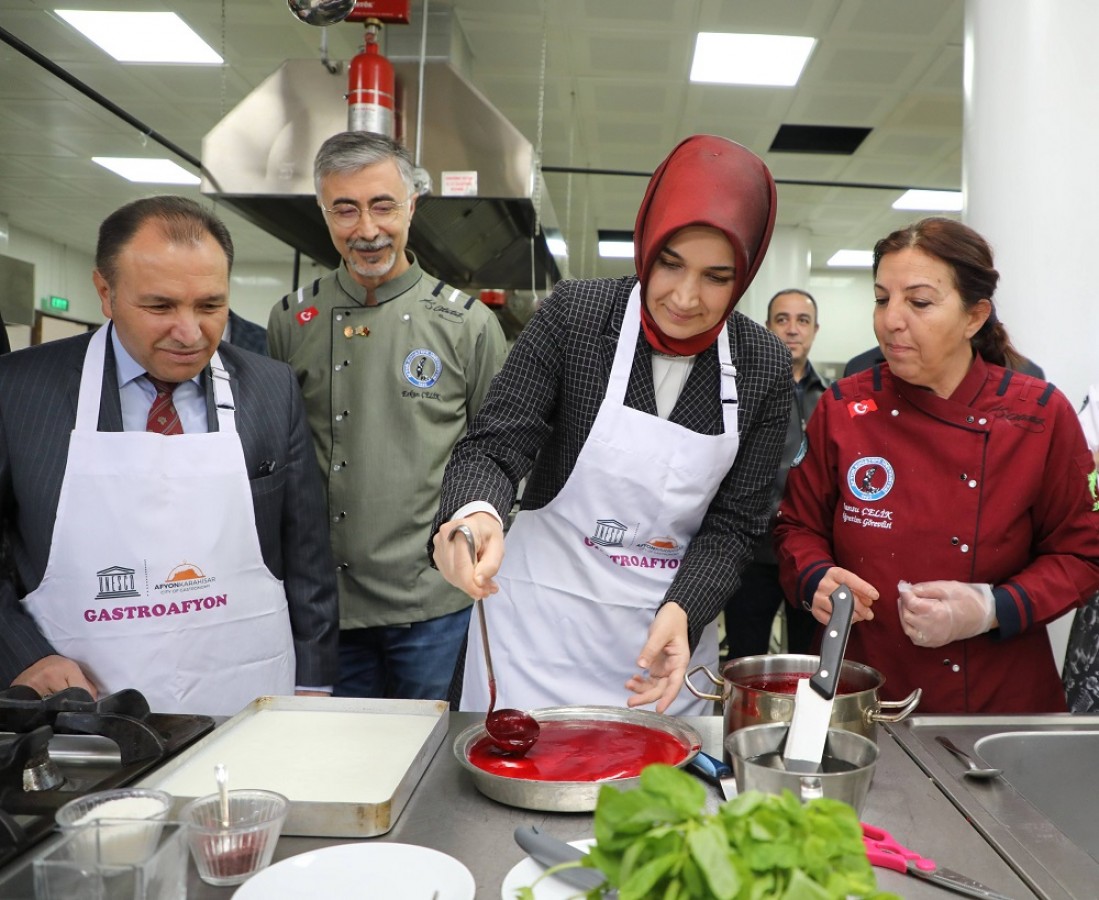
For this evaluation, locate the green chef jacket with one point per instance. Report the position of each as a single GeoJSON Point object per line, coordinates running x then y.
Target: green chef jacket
{"type": "Point", "coordinates": [389, 389]}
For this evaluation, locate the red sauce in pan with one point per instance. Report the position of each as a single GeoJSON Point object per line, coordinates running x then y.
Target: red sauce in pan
{"type": "Point", "coordinates": [583, 750]}
{"type": "Point", "coordinates": [787, 683]}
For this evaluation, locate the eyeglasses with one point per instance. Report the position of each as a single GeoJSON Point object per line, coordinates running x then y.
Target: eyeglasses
{"type": "Point", "coordinates": [346, 215]}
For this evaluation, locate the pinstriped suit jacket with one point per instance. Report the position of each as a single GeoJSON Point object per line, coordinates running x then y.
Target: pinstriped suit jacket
{"type": "Point", "coordinates": [38, 393]}
{"type": "Point", "coordinates": [542, 404]}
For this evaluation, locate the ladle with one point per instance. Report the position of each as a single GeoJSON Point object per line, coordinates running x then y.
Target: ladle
{"type": "Point", "coordinates": [512, 731]}
{"type": "Point", "coordinates": [972, 770]}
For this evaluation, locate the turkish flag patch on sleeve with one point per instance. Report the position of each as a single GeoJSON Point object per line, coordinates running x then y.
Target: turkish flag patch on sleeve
{"type": "Point", "coordinates": [861, 407]}
{"type": "Point", "coordinates": [306, 315]}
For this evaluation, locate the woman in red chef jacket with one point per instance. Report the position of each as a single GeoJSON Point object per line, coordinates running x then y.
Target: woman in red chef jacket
{"type": "Point", "coordinates": [950, 493]}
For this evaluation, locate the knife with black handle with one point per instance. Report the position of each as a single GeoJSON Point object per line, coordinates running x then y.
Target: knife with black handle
{"type": "Point", "coordinates": [550, 851]}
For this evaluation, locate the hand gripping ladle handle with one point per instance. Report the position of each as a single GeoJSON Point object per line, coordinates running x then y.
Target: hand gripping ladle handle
{"type": "Point", "coordinates": [465, 531]}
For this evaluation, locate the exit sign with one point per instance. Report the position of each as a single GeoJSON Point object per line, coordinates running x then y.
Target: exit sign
{"type": "Point", "coordinates": [56, 304]}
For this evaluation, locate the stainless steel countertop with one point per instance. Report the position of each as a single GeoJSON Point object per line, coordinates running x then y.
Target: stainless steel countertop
{"type": "Point", "coordinates": [447, 812]}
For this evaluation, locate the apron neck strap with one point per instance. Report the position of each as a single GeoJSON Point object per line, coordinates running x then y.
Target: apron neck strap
{"type": "Point", "coordinates": [91, 386]}
{"type": "Point", "coordinates": [627, 346]}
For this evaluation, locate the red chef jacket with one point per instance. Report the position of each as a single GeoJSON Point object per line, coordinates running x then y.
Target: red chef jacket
{"type": "Point", "coordinates": [990, 485]}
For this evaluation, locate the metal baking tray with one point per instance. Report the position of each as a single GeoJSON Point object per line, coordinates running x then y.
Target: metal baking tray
{"type": "Point", "coordinates": [348, 765]}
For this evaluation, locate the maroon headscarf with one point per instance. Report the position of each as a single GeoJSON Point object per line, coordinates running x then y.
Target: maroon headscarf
{"type": "Point", "coordinates": [705, 180]}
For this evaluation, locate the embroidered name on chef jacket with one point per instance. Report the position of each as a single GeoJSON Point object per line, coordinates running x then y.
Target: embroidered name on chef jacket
{"type": "Point", "coordinates": [869, 479]}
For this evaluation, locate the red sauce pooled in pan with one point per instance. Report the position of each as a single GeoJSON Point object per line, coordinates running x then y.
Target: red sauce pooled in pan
{"type": "Point", "coordinates": [787, 683]}
{"type": "Point", "coordinates": [583, 750]}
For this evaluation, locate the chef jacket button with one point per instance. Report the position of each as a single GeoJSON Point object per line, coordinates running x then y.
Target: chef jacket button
{"type": "Point", "coordinates": [955, 668]}
{"type": "Point", "coordinates": [339, 417]}
{"type": "Point", "coordinates": [965, 548]}
{"type": "Point", "coordinates": [406, 317]}
{"type": "Point", "coordinates": [963, 476]}
{"type": "Point", "coordinates": [337, 367]}
{"type": "Point", "coordinates": [969, 419]}
{"type": "Point", "coordinates": [972, 483]}
{"type": "Point", "coordinates": [896, 412]}
{"type": "Point", "coordinates": [343, 566]}
{"type": "Point", "coordinates": [946, 662]}
{"type": "Point", "coordinates": [336, 467]}
{"type": "Point", "coordinates": [955, 541]}
{"type": "Point", "coordinates": [982, 421]}
{"type": "Point", "coordinates": [339, 318]}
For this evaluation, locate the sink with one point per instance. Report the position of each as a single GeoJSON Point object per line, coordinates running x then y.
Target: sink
{"type": "Point", "coordinates": [1042, 815]}
{"type": "Point", "coordinates": [1056, 771]}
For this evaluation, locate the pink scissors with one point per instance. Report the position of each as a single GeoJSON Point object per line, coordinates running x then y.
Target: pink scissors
{"type": "Point", "coordinates": [883, 850]}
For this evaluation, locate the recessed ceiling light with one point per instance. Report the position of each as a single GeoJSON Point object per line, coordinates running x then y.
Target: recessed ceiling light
{"type": "Point", "coordinates": [944, 201]}
{"type": "Point", "coordinates": [766, 59]}
{"type": "Point", "coordinates": [615, 244]}
{"type": "Point", "coordinates": [557, 246]}
{"type": "Point", "coordinates": [852, 259]}
{"type": "Point", "coordinates": [142, 37]}
{"type": "Point", "coordinates": [147, 171]}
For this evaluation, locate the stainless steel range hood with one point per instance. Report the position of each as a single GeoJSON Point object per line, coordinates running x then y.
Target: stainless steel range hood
{"type": "Point", "coordinates": [260, 162]}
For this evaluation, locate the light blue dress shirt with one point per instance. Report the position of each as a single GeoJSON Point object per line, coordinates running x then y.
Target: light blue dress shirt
{"type": "Point", "coordinates": [137, 393]}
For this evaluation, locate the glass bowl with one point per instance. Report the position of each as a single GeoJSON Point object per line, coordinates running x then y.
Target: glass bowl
{"type": "Point", "coordinates": [226, 856]}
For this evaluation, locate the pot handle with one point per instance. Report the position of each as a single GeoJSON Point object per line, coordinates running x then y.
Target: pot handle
{"type": "Point", "coordinates": [720, 682]}
{"type": "Point", "coordinates": [903, 708]}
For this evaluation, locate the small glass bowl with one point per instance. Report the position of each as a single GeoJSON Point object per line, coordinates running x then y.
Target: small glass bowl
{"type": "Point", "coordinates": [226, 856]}
{"type": "Point", "coordinates": [125, 844]}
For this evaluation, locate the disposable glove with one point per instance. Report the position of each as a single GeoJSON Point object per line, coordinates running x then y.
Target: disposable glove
{"type": "Point", "coordinates": [935, 613]}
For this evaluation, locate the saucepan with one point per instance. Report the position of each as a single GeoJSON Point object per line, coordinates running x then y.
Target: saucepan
{"type": "Point", "coordinates": [758, 690]}
{"type": "Point", "coordinates": [524, 781]}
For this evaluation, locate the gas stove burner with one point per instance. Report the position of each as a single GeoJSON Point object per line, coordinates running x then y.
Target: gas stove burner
{"type": "Point", "coordinates": [41, 773]}
{"type": "Point", "coordinates": [120, 716]}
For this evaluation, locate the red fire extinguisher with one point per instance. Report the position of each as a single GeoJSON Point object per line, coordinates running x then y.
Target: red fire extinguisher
{"type": "Point", "coordinates": [370, 87]}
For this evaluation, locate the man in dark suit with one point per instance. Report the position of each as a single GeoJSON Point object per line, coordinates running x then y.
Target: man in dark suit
{"type": "Point", "coordinates": [193, 563]}
{"type": "Point", "coordinates": [244, 334]}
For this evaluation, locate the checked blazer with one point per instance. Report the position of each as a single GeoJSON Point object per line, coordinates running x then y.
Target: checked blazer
{"type": "Point", "coordinates": [38, 394]}
{"type": "Point", "coordinates": [541, 407]}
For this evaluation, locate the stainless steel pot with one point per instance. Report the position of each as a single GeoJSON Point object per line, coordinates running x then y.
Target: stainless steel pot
{"type": "Point", "coordinates": [567, 796]}
{"type": "Point", "coordinates": [746, 701]}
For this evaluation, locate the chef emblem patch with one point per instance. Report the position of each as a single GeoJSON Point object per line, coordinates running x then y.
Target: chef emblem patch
{"type": "Point", "coordinates": [870, 478]}
{"type": "Point", "coordinates": [422, 368]}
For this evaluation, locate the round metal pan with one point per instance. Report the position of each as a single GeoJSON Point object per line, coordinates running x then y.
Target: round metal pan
{"type": "Point", "coordinates": [568, 796]}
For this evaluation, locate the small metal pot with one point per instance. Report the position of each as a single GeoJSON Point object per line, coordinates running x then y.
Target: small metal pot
{"type": "Point", "coordinates": [746, 702]}
{"type": "Point", "coordinates": [568, 796]}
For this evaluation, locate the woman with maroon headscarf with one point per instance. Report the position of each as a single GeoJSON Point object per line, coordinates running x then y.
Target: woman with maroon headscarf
{"type": "Point", "coordinates": [649, 417]}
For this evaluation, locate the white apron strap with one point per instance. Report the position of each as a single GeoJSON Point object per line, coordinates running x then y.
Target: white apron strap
{"type": "Point", "coordinates": [223, 395]}
{"type": "Point", "coordinates": [91, 382]}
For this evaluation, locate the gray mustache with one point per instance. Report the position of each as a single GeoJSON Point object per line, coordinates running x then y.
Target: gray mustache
{"type": "Point", "coordinates": [370, 246]}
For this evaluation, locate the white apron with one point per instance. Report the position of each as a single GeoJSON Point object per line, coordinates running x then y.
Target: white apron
{"type": "Point", "coordinates": [155, 578]}
{"type": "Point", "coordinates": [583, 576]}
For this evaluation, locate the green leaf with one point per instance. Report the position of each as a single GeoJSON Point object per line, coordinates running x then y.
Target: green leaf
{"type": "Point", "coordinates": [710, 850]}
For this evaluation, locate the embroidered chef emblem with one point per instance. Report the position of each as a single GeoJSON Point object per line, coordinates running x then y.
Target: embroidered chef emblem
{"type": "Point", "coordinates": [422, 368]}
{"type": "Point", "coordinates": [870, 478]}
{"type": "Point", "coordinates": [861, 407]}
{"type": "Point", "coordinates": [306, 315]}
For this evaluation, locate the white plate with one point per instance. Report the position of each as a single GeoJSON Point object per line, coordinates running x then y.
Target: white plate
{"type": "Point", "coordinates": [346, 871]}
{"type": "Point", "coordinates": [525, 872]}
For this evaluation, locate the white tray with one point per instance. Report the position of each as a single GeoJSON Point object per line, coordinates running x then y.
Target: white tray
{"type": "Point", "coordinates": [348, 765]}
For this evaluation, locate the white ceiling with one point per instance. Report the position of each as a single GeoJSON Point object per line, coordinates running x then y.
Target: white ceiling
{"type": "Point", "coordinates": [616, 96]}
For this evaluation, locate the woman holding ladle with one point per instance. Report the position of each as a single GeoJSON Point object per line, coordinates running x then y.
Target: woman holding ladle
{"type": "Point", "coordinates": [649, 417]}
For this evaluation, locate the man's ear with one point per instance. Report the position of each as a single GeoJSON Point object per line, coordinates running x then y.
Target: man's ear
{"type": "Point", "coordinates": [104, 291]}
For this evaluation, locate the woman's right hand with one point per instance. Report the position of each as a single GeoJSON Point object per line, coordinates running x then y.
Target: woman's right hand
{"type": "Point", "coordinates": [452, 556]}
{"type": "Point", "coordinates": [865, 595]}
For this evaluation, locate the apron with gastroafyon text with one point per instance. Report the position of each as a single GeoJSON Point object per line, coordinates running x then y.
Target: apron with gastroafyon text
{"type": "Point", "coordinates": [583, 576]}
{"type": "Point", "coordinates": [155, 578]}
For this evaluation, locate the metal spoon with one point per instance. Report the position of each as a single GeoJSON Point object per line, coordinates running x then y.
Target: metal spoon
{"type": "Point", "coordinates": [512, 731]}
{"type": "Point", "coordinates": [972, 770]}
{"type": "Point", "coordinates": [221, 775]}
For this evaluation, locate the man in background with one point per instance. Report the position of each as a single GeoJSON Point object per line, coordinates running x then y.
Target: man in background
{"type": "Point", "coordinates": [158, 492]}
{"type": "Point", "coordinates": [750, 614]}
{"type": "Point", "coordinates": [393, 364]}
{"type": "Point", "coordinates": [244, 334]}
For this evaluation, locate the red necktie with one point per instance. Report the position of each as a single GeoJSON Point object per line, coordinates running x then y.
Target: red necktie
{"type": "Point", "coordinates": [163, 418]}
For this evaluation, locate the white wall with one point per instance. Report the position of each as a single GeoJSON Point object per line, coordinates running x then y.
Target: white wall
{"type": "Point", "coordinates": [845, 304]}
